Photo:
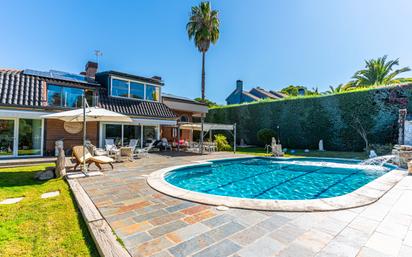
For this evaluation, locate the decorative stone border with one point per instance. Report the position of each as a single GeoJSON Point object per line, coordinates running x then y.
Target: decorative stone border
{"type": "Point", "coordinates": [365, 195]}
{"type": "Point", "coordinates": [101, 232]}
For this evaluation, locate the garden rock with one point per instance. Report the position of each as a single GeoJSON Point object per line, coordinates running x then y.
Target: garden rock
{"type": "Point", "coordinates": [45, 175]}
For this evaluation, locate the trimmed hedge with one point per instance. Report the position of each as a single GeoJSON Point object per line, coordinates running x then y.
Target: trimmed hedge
{"type": "Point", "coordinates": [304, 121]}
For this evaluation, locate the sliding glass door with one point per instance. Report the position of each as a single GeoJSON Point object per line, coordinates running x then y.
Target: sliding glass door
{"type": "Point", "coordinates": [123, 133]}
{"type": "Point", "coordinates": [30, 137]}
{"type": "Point", "coordinates": [6, 137]}
{"type": "Point", "coordinates": [132, 132]}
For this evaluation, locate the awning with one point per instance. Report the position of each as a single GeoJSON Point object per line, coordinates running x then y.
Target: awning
{"type": "Point", "coordinates": [206, 126]}
{"type": "Point", "coordinates": [153, 122]}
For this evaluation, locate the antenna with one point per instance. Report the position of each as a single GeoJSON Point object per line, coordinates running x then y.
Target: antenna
{"type": "Point", "coordinates": [97, 53]}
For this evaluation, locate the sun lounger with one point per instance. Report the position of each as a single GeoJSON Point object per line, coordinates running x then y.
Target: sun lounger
{"type": "Point", "coordinates": [89, 159]}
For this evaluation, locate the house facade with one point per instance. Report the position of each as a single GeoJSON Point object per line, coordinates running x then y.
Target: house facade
{"type": "Point", "coordinates": [239, 96]}
{"type": "Point", "coordinates": [27, 95]}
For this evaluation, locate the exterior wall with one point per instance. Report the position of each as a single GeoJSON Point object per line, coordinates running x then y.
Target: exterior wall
{"type": "Point", "coordinates": [167, 132]}
{"type": "Point", "coordinates": [54, 130]}
{"type": "Point", "coordinates": [238, 97]}
{"type": "Point", "coordinates": [235, 97]}
{"type": "Point", "coordinates": [247, 99]}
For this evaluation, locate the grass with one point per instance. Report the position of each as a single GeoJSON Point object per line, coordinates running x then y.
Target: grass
{"type": "Point", "coordinates": [40, 227]}
{"type": "Point", "coordinates": [260, 151]}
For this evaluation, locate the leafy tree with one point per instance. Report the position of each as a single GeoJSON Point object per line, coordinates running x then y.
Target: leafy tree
{"type": "Point", "coordinates": [333, 90]}
{"type": "Point", "coordinates": [377, 72]}
{"type": "Point", "coordinates": [206, 101]}
{"type": "Point", "coordinates": [203, 27]}
{"type": "Point", "coordinates": [265, 135]}
{"type": "Point", "coordinates": [294, 90]}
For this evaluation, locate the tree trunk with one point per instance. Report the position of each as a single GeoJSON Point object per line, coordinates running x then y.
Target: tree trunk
{"type": "Point", "coordinates": [203, 75]}
{"type": "Point", "coordinates": [203, 99]}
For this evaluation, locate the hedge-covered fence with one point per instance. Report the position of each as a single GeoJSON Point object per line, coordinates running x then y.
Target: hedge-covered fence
{"type": "Point", "coordinates": [334, 118]}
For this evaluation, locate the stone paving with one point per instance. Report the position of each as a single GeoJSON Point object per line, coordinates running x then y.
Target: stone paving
{"type": "Point", "coordinates": [153, 224]}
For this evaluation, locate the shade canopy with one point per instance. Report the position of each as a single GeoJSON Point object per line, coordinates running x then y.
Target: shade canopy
{"type": "Point", "coordinates": [92, 114]}
{"type": "Point", "coordinates": [206, 126]}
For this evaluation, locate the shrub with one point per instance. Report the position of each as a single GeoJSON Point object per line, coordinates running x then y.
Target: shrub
{"type": "Point", "coordinates": [382, 149]}
{"type": "Point", "coordinates": [221, 142]}
{"type": "Point", "coordinates": [303, 121]}
{"type": "Point", "coordinates": [265, 135]}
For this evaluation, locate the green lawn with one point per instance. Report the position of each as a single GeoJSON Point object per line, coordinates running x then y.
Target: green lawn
{"type": "Point", "coordinates": [40, 227]}
{"type": "Point", "coordinates": [260, 151]}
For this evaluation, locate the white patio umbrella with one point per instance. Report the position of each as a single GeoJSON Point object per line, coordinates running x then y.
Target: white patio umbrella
{"type": "Point", "coordinates": [88, 114]}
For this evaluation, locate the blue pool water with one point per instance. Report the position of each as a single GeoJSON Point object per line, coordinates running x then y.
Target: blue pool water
{"type": "Point", "coordinates": [281, 179]}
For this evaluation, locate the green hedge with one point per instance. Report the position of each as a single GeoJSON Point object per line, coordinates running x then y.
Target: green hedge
{"type": "Point", "coordinates": [304, 121]}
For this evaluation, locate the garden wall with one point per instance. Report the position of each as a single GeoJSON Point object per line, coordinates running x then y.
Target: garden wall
{"type": "Point", "coordinates": [304, 121]}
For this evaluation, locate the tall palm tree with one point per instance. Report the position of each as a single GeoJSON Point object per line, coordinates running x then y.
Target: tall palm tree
{"type": "Point", "coordinates": [203, 27]}
{"type": "Point", "coordinates": [377, 72]}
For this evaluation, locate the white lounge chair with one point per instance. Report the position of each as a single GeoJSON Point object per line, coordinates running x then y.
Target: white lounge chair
{"type": "Point", "coordinates": [111, 148]}
{"type": "Point", "coordinates": [145, 151]}
{"type": "Point", "coordinates": [133, 145]}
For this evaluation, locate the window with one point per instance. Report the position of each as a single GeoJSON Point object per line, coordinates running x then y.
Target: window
{"type": "Point", "coordinates": [113, 131]}
{"type": "Point", "coordinates": [54, 95]}
{"type": "Point", "coordinates": [6, 137]}
{"type": "Point", "coordinates": [29, 137]}
{"type": "Point", "coordinates": [136, 90]}
{"type": "Point", "coordinates": [152, 93]}
{"type": "Point", "coordinates": [184, 118]}
{"type": "Point", "coordinates": [120, 88]}
{"type": "Point", "coordinates": [123, 133]}
{"type": "Point", "coordinates": [131, 132]}
{"type": "Point", "coordinates": [149, 135]}
{"type": "Point", "coordinates": [64, 96]}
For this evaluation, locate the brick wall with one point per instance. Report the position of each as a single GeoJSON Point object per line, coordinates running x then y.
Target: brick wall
{"type": "Point", "coordinates": [54, 130]}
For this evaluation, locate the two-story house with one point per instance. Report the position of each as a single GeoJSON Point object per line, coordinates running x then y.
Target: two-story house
{"type": "Point", "coordinates": [239, 96]}
{"type": "Point", "coordinates": [26, 95]}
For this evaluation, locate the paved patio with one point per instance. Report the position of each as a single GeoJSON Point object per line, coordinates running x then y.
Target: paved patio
{"type": "Point", "coordinates": [153, 224]}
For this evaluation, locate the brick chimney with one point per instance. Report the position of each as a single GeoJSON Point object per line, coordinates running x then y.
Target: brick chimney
{"type": "Point", "coordinates": [90, 69]}
{"type": "Point", "coordinates": [239, 85]}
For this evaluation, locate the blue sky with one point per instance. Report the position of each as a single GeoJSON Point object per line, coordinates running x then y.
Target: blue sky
{"type": "Point", "coordinates": [267, 43]}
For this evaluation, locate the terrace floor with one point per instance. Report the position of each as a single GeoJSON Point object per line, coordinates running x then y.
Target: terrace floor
{"type": "Point", "coordinates": [152, 224]}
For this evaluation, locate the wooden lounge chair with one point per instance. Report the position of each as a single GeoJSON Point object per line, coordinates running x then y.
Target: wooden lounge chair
{"type": "Point", "coordinates": [97, 160]}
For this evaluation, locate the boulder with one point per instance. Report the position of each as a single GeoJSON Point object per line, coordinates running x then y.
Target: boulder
{"type": "Point", "coordinates": [405, 148]}
{"type": "Point", "coordinates": [45, 175]}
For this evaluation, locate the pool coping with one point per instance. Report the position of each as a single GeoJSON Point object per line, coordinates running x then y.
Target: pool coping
{"type": "Point", "coordinates": [364, 195]}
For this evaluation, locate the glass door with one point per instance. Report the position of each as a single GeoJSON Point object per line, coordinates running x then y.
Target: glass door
{"type": "Point", "coordinates": [30, 137]}
{"type": "Point", "coordinates": [6, 137]}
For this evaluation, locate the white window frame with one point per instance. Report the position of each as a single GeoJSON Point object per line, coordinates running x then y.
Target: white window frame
{"type": "Point", "coordinates": [103, 125]}
{"type": "Point", "coordinates": [16, 138]}
{"type": "Point", "coordinates": [63, 105]}
{"type": "Point", "coordinates": [145, 84]}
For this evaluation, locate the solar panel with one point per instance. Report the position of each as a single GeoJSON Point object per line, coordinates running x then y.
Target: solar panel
{"type": "Point", "coordinates": [61, 75]}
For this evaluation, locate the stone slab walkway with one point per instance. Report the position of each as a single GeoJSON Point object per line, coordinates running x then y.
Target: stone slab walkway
{"type": "Point", "coordinates": [11, 200]}
{"type": "Point", "coordinates": [153, 224]}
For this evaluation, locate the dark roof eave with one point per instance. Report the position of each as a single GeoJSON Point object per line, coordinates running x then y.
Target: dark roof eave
{"type": "Point", "coordinates": [184, 101]}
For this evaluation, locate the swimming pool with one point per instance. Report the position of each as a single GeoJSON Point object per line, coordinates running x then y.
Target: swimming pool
{"type": "Point", "coordinates": [264, 181]}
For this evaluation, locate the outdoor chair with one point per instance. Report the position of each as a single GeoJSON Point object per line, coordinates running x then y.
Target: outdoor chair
{"type": "Point", "coordinates": [89, 159]}
{"type": "Point", "coordinates": [165, 144]}
{"type": "Point", "coordinates": [133, 144]}
{"type": "Point", "coordinates": [144, 152]}
{"type": "Point", "coordinates": [111, 148]}
{"type": "Point", "coordinates": [94, 150]}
